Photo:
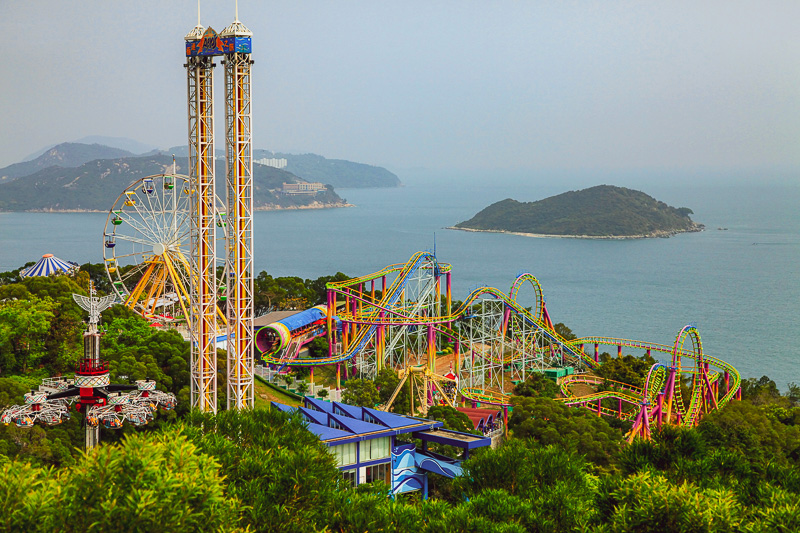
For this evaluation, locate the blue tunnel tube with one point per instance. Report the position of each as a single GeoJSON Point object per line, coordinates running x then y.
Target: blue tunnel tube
{"type": "Point", "coordinates": [276, 336]}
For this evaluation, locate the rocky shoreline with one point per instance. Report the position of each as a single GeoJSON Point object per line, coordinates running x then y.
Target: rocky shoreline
{"type": "Point", "coordinates": [268, 207]}
{"type": "Point", "coordinates": [313, 205]}
{"type": "Point", "coordinates": [656, 234]}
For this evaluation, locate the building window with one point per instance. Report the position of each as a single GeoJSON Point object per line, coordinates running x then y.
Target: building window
{"type": "Point", "coordinates": [345, 454]}
{"type": "Point", "coordinates": [381, 472]}
{"type": "Point", "coordinates": [372, 450]}
{"type": "Point", "coordinates": [350, 477]}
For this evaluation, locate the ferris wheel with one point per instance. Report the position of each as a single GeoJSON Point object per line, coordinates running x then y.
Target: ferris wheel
{"type": "Point", "coordinates": [147, 246]}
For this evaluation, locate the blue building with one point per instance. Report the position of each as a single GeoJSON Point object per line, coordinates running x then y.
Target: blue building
{"type": "Point", "coordinates": [368, 444]}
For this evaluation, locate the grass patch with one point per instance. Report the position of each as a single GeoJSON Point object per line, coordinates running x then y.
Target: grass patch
{"type": "Point", "coordinates": [266, 394]}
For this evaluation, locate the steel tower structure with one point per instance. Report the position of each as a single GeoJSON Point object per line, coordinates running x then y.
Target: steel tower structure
{"type": "Point", "coordinates": [200, 80]}
{"type": "Point", "coordinates": [239, 242]}
{"type": "Point", "coordinates": [234, 43]}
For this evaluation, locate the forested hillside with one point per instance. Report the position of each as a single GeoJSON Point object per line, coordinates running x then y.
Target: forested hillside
{"type": "Point", "coordinates": [63, 155]}
{"type": "Point", "coordinates": [601, 211]}
{"type": "Point", "coordinates": [562, 469]}
{"type": "Point", "coordinates": [94, 186]}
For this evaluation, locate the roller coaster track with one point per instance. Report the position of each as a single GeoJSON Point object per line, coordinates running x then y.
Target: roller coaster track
{"type": "Point", "coordinates": [365, 315]}
{"type": "Point", "coordinates": [371, 316]}
{"type": "Point", "coordinates": [705, 382]}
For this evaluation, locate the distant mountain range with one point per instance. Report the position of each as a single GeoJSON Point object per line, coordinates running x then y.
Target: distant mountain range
{"type": "Point", "coordinates": [604, 211]}
{"type": "Point", "coordinates": [123, 143]}
{"type": "Point", "coordinates": [68, 155]}
{"type": "Point", "coordinates": [312, 167]}
{"type": "Point", "coordinates": [94, 186]}
{"type": "Point", "coordinates": [89, 177]}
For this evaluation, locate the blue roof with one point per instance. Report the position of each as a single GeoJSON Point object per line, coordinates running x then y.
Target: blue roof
{"type": "Point", "coordinates": [314, 417]}
{"type": "Point", "coordinates": [326, 433]}
{"type": "Point", "coordinates": [347, 410]}
{"type": "Point", "coordinates": [392, 420]}
{"type": "Point", "coordinates": [355, 423]}
{"type": "Point", "coordinates": [357, 426]}
{"type": "Point", "coordinates": [284, 408]}
{"type": "Point", "coordinates": [322, 405]}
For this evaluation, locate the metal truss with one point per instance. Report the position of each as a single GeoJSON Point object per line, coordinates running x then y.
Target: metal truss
{"type": "Point", "coordinates": [239, 258]}
{"type": "Point", "coordinates": [200, 78]}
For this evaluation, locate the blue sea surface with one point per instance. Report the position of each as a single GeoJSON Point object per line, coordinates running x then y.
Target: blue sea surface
{"type": "Point", "coordinates": [740, 286]}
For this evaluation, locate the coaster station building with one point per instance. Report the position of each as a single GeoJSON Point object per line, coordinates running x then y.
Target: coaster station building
{"type": "Point", "coordinates": [368, 444]}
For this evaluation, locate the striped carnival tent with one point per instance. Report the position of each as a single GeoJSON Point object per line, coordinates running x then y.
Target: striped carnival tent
{"type": "Point", "coordinates": [49, 264]}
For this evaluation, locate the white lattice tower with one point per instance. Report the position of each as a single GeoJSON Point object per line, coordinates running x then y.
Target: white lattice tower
{"type": "Point", "coordinates": [239, 247]}
{"type": "Point", "coordinates": [200, 79]}
{"type": "Point", "coordinates": [407, 346]}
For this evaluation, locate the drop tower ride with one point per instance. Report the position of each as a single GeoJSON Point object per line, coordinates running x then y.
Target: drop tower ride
{"type": "Point", "coordinates": [202, 45]}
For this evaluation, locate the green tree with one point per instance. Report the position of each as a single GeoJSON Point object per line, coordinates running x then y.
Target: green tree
{"type": "Point", "coordinates": [155, 482]}
{"type": "Point", "coordinates": [542, 488]}
{"type": "Point", "coordinates": [360, 392]}
{"type": "Point", "coordinates": [537, 384]}
{"type": "Point", "coordinates": [748, 429]}
{"type": "Point", "coordinates": [318, 347]}
{"type": "Point", "coordinates": [23, 327]}
{"type": "Point", "coordinates": [274, 465]}
{"type": "Point", "coordinates": [452, 418]}
{"type": "Point", "coordinates": [626, 369]}
{"type": "Point", "coordinates": [549, 422]}
{"type": "Point", "coordinates": [387, 381]}
{"type": "Point", "coordinates": [564, 331]}
{"type": "Point", "coordinates": [650, 503]}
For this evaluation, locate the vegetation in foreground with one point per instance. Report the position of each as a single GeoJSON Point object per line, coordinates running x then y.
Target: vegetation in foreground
{"type": "Point", "coordinates": [563, 469]}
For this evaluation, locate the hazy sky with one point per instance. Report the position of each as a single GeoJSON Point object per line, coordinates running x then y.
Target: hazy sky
{"type": "Point", "coordinates": [516, 85]}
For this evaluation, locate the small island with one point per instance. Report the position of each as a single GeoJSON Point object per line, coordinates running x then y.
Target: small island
{"type": "Point", "coordinates": [601, 212]}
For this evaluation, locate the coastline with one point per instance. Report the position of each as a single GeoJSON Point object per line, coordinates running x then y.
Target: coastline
{"type": "Point", "coordinates": [268, 207]}
{"type": "Point", "coordinates": [653, 235]}
{"type": "Point", "coordinates": [313, 205]}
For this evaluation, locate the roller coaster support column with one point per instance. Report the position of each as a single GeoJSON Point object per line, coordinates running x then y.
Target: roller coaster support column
{"type": "Point", "coordinates": [431, 349]}
{"type": "Point", "coordinates": [380, 341]}
{"type": "Point", "coordinates": [239, 264]}
{"type": "Point", "coordinates": [619, 351]}
{"type": "Point", "coordinates": [329, 319]}
{"type": "Point", "coordinates": [449, 296]}
{"type": "Point", "coordinates": [200, 78]}
{"type": "Point", "coordinates": [670, 390]}
{"type": "Point", "coordinates": [596, 352]}
{"type": "Point", "coordinates": [660, 403]}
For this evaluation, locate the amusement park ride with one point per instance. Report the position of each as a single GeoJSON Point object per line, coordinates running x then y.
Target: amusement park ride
{"type": "Point", "coordinates": [163, 233]}
{"type": "Point", "coordinates": [161, 242]}
{"type": "Point", "coordinates": [91, 389]}
{"type": "Point", "coordinates": [479, 350]}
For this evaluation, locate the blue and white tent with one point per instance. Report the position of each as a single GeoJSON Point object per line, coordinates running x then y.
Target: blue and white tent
{"type": "Point", "coordinates": [47, 265]}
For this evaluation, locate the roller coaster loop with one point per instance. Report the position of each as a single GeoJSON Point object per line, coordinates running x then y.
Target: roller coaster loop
{"type": "Point", "coordinates": [490, 341]}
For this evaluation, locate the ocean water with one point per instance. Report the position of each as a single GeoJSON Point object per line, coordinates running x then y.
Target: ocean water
{"type": "Point", "coordinates": [740, 286]}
